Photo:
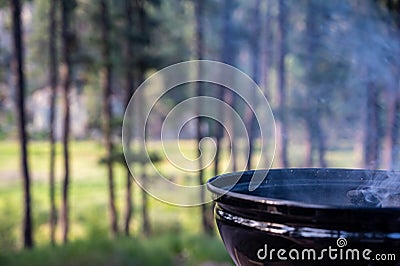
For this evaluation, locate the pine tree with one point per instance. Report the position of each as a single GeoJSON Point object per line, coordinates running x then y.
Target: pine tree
{"type": "Point", "coordinates": [19, 81]}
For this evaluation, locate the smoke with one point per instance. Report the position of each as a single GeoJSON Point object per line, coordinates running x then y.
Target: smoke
{"type": "Point", "coordinates": [363, 37]}
{"type": "Point", "coordinates": [381, 190]}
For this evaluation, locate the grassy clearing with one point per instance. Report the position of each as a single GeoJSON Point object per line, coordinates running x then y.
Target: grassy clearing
{"type": "Point", "coordinates": [168, 249]}
{"type": "Point", "coordinates": [176, 231]}
{"type": "Point", "coordinates": [176, 239]}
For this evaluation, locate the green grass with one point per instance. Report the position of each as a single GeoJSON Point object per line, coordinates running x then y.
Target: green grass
{"type": "Point", "coordinates": [167, 249]}
{"type": "Point", "coordinates": [177, 238]}
{"type": "Point", "coordinates": [176, 231]}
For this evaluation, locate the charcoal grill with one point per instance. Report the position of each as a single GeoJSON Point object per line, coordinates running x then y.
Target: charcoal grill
{"type": "Point", "coordinates": [305, 209]}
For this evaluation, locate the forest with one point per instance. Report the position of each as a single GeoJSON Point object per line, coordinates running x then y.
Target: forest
{"type": "Point", "coordinates": [79, 174]}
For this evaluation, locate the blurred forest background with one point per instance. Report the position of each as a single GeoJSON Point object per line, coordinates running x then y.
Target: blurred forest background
{"type": "Point", "coordinates": [329, 69]}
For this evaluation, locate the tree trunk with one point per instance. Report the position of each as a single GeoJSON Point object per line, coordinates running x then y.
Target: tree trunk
{"type": "Point", "coordinates": [393, 113]}
{"type": "Point", "coordinates": [53, 77]}
{"type": "Point", "coordinates": [66, 70]}
{"type": "Point", "coordinates": [315, 138]}
{"type": "Point", "coordinates": [228, 57]}
{"type": "Point", "coordinates": [130, 88]}
{"type": "Point", "coordinates": [107, 110]}
{"type": "Point", "coordinates": [312, 115]}
{"type": "Point", "coordinates": [225, 56]}
{"type": "Point", "coordinates": [321, 142]}
{"type": "Point", "coordinates": [310, 101]}
{"type": "Point", "coordinates": [266, 48]}
{"type": "Point", "coordinates": [281, 122]}
{"type": "Point", "coordinates": [395, 164]}
{"type": "Point", "coordinates": [391, 131]}
{"type": "Point", "coordinates": [266, 61]}
{"type": "Point", "coordinates": [371, 130]}
{"type": "Point", "coordinates": [145, 207]}
{"type": "Point", "coordinates": [255, 56]}
{"type": "Point", "coordinates": [19, 82]}
{"type": "Point", "coordinates": [146, 227]}
{"type": "Point", "coordinates": [128, 203]}
{"type": "Point", "coordinates": [309, 152]}
{"type": "Point", "coordinates": [199, 8]}
{"type": "Point", "coordinates": [218, 139]}
{"type": "Point", "coordinates": [231, 100]}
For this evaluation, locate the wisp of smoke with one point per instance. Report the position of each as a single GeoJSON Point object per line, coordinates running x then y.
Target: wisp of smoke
{"type": "Point", "coordinates": [381, 190]}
